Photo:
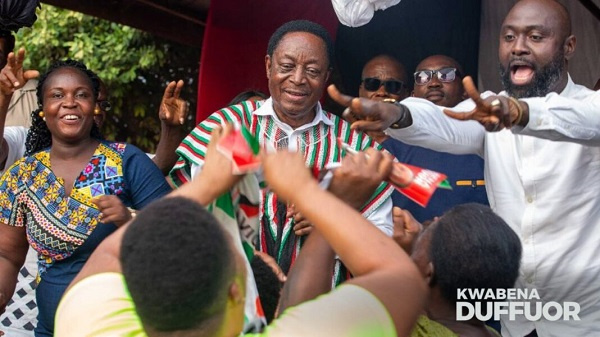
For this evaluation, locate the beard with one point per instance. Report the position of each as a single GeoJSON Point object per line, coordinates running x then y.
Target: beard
{"type": "Point", "coordinates": [543, 79]}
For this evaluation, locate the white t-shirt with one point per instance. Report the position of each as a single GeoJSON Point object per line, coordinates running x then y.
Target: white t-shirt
{"type": "Point", "coordinates": [15, 136]}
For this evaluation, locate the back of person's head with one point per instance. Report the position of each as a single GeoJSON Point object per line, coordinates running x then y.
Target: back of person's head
{"type": "Point", "coordinates": [7, 44]}
{"type": "Point", "coordinates": [301, 26]}
{"type": "Point", "coordinates": [248, 95]}
{"type": "Point", "coordinates": [472, 247]}
{"type": "Point", "coordinates": [38, 136]}
{"type": "Point", "coordinates": [177, 261]}
{"type": "Point", "coordinates": [268, 285]}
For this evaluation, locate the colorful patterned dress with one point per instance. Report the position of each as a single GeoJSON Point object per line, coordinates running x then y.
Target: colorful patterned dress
{"type": "Point", "coordinates": [65, 230]}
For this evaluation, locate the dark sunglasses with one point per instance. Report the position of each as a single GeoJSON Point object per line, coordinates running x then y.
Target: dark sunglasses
{"type": "Point", "coordinates": [446, 75]}
{"type": "Point", "coordinates": [104, 105]}
{"type": "Point", "coordinates": [391, 87]}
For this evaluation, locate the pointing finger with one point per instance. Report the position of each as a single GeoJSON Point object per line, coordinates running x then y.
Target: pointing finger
{"type": "Point", "coordinates": [337, 96]}
{"type": "Point", "coordinates": [461, 116]}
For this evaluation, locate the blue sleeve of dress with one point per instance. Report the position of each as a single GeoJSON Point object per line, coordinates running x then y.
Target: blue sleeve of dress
{"type": "Point", "coordinates": [144, 180]}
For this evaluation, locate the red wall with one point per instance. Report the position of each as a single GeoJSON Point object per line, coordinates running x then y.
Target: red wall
{"type": "Point", "coordinates": [235, 44]}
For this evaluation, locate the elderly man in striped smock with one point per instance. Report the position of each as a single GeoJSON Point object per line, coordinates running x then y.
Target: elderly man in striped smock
{"type": "Point", "coordinates": [298, 65]}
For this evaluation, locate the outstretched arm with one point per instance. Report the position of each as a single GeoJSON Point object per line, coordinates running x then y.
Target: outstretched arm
{"type": "Point", "coordinates": [213, 181]}
{"type": "Point", "coordinates": [377, 262]}
{"type": "Point", "coordinates": [414, 121]}
{"type": "Point", "coordinates": [354, 183]}
{"type": "Point", "coordinates": [172, 113]}
{"type": "Point", "coordinates": [554, 117]}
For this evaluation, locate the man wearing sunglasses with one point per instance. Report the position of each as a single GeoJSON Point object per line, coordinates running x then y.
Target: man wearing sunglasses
{"type": "Point", "coordinates": [438, 79]}
{"type": "Point", "coordinates": [541, 142]}
{"type": "Point", "coordinates": [383, 78]}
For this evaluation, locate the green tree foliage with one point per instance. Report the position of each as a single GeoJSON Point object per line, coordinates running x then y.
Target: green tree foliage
{"type": "Point", "coordinates": [135, 66]}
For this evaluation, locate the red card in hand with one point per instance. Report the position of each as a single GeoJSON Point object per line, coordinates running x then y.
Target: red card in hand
{"type": "Point", "coordinates": [237, 148]}
{"type": "Point", "coordinates": [421, 185]}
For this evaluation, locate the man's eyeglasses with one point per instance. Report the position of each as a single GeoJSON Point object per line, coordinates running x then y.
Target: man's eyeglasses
{"type": "Point", "coordinates": [391, 87]}
{"type": "Point", "coordinates": [446, 75]}
{"type": "Point", "coordinates": [104, 105]}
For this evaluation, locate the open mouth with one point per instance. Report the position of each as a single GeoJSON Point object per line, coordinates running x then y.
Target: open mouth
{"type": "Point", "coordinates": [70, 119]}
{"type": "Point", "coordinates": [521, 74]}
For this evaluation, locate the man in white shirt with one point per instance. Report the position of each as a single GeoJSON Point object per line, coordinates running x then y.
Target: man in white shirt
{"type": "Point", "coordinates": [542, 158]}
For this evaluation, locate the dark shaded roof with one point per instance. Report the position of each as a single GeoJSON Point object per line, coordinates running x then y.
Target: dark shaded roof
{"type": "Point", "coordinates": [182, 21]}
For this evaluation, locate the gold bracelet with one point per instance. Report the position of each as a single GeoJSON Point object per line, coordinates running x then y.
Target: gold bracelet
{"type": "Point", "coordinates": [519, 110]}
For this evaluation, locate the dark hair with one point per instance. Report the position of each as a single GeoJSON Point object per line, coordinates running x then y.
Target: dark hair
{"type": "Point", "coordinates": [302, 26]}
{"type": "Point", "coordinates": [39, 137]}
{"type": "Point", "coordinates": [268, 285]}
{"type": "Point", "coordinates": [9, 40]}
{"type": "Point", "coordinates": [472, 247]}
{"type": "Point", "coordinates": [158, 248]}
{"type": "Point", "coordinates": [245, 95]}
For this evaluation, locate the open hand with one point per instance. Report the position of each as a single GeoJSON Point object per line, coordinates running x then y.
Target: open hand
{"type": "Point", "coordinates": [12, 76]}
{"type": "Point", "coordinates": [173, 110]}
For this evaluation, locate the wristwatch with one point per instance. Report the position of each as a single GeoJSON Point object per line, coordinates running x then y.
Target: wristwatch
{"type": "Point", "coordinates": [400, 122]}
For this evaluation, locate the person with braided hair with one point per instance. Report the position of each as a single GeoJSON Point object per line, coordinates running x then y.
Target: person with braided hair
{"type": "Point", "coordinates": [50, 198]}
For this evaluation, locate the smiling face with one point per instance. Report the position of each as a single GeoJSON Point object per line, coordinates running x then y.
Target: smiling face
{"type": "Point", "coordinates": [297, 73]}
{"type": "Point", "coordinates": [68, 104]}
{"type": "Point", "coordinates": [534, 48]}
{"type": "Point", "coordinates": [447, 94]}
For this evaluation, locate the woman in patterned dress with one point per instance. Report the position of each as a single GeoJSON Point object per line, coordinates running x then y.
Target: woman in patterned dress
{"type": "Point", "coordinates": [50, 199]}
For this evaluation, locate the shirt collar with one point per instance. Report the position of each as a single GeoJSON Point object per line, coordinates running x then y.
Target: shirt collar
{"type": "Point", "coordinates": [267, 110]}
{"type": "Point", "coordinates": [568, 91]}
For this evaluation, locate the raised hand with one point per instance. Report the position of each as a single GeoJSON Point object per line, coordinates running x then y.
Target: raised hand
{"type": "Point", "coordinates": [494, 113]}
{"type": "Point", "coordinates": [406, 229]}
{"type": "Point", "coordinates": [286, 173]}
{"type": "Point", "coordinates": [365, 114]}
{"type": "Point", "coordinates": [12, 76]}
{"type": "Point", "coordinates": [355, 181]}
{"type": "Point", "coordinates": [173, 110]}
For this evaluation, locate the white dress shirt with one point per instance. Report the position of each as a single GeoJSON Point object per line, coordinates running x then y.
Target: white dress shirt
{"type": "Point", "coordinates": [544, 181]}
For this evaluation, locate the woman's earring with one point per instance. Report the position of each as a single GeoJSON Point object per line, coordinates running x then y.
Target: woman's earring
{"type": "Point", "coordinates": [43, 115]}
{"type": "Point", "coordinates": [97, 111]}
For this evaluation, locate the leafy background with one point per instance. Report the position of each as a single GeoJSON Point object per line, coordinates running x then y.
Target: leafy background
{"type": "Point", "coordinates": [136, 67]}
